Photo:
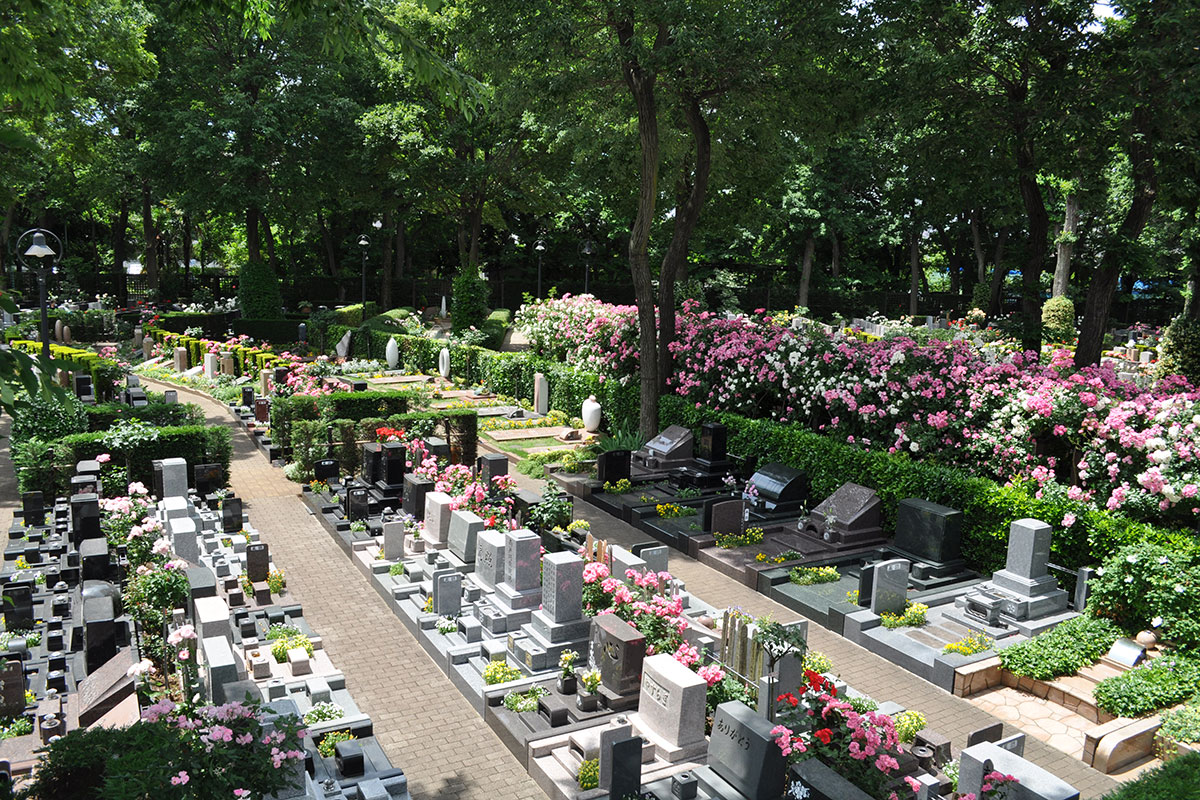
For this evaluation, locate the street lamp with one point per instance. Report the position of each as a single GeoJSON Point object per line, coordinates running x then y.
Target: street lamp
{"type": "Point", "coordinates": [45, 260]}
{"type": "Point", "coordinates": [364, 242]}
{"type": "Point", "coordinates": [587, 247]}
{"type": "Point", "coordinates": [540, 246]}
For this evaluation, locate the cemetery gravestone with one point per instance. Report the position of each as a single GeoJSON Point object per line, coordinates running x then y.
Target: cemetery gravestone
{"type": "Point", "coordinates": [465, 527]}
{"type": "Point", "coordinates": [743, 752]}
{"type": "Point", "coordinates": [928, 532]}
{"type": "Point", "coordinates": [850, 516]}
{"type": "Point", "coordinates": [671, 708]}
{"type": "Point", "coordinates": [492, 465]}
{"type": "Point", "coordinates": [174, 478]}
{"type": "Point", "coordinates": [18, 606]}
{"type": "Point", "coordinates": [231, 514]}
{"type": "Point", "coordinates": [489, 559]}
{"type": "Point", "coordinates": [372, 453]}
{"type": "Point", "coordinates": [393, 463]}
{"type": "Point", "coordinates": [248, 396]}
{"type": "Point", "coordinates": [262, 410]}
{"type": "Point", "coordinates": [415, 491]}
{"type": "Point", "coordinates": [325, 470]}
{"type": "Point", "coordinates": [437, 519]}
{"type": "Point", "coordinates": [541, 394]}
{"type": "Point", "coordinates": [258, 562]}
{"type": "Point", "coordinates": [447, 592]}
{"type": "Point", "coordinates": [357, 503]}
{"type": "Point", "coordinates": [170, 396]}
{"type": "Point", "coordinates": [889, 586]}
{"type": "Point", "coordinates": [12, 689]}
{"type": "Point", "coordinates": [33, 508]}
{"type": "Point", "coordinates": [208, 478]}
{"type": "Point", "coordinates": [612, 466]}
{"type": "Point", "coordinates": [617, 649]}
{"type": "Point", "coordinates": [393, 540]}
{"type": "Point", "coordinates": [626, 759]}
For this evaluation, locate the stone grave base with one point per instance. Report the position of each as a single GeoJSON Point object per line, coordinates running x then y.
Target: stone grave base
{"type": "Point", "coordinates": [554, 765]}
{"type": "Point", "coordinates": [557, 715]}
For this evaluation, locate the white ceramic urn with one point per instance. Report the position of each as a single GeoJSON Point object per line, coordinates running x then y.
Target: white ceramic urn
{"type": "Point", "coordinates": [591, 415]}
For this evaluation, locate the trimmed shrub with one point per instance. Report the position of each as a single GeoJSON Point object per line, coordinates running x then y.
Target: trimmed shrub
{"type": "Point", "coordinates": [1058, 320]}
{"type": "Point", "coordinates": [1062, 650]}
{"type": "Point", "coordinates": [48, 418]}
{"type": "Point", "coordinates": [981, 296]}
{"type": "Point", "coordinates": [271, 330]}
{"type": "Point", "coordinates": [1175, 780]}
{"type": "Point", "coordinates": [1181, 349]}
{"type": "Point", "coordinates": [495, 326]}
{"type": "Point", "coordinates": [468, 305]}
{"type": "Point", "coordinates": [258, 291]}
{"type": "Point", "coordinates": [159, 414]}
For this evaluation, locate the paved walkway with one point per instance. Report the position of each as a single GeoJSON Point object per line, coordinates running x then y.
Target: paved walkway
{"type": "Point", "coordinates": [422, 721]}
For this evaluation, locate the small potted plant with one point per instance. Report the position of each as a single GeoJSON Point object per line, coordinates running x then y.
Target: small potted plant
{"type": "Point", "coordinates": [566, 678]}
{"type": "Point", "coordinates": [588, 699]}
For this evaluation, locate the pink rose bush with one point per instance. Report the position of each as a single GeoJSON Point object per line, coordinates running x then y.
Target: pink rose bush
{"type": "Point", "coordinates": [1085, 435]}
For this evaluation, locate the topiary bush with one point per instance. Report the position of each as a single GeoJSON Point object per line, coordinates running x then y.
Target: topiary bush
{"type": "Point", "coordinates": [981, 297]}
{"type": "Point", "coordinates": [258, 291]}
{"type": "Point", "coordinates": [1058, 320]}
{"type": "Point", "coordinates": [468, 306]}
{"type": "Point", "coordinates": [1181, 349]}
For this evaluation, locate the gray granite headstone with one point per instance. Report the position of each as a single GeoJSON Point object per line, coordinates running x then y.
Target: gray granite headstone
{"type": "Point", "coordinates": [464, 530]}
{"type": "Point", "coordinates": [1028, 548]}
{"type": "Point", "coordinates": [541, 394]}
{"type": "Point", "coordinates": [672, 702]}
{"type": "Point", "coordinates": [889, 586]}
{"type": "Point", "coordinates": [184, 539]}
{"type": "Point", "coordinates": [447, 592]}
{"type": "Point", "coordinates": [437, 518]}
{"type": "Point", "coordinates": [615, 731]}
{"type": "Point", "coordinates": [522, 560]}
{"type": "Point", "coordinates": [656, 558]}
{"type": "Point", "coordinates": [489, 559]}
{"type": "Point", "coordinates": [343, 346]}
{"type": "Point", "coordinates": [393, 540]}
{"type": "Point", "coordinates": [174, 476]}
{"type": "Point", "coordinates": [562, 586]}
{"type": "Point", "coordinates": [743, 752]}
{"type": "Point", "coordinates": [988, 733]}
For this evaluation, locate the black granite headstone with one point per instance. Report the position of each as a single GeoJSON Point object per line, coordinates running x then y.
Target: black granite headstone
{"type": "Point", "coordinates": [208, 478]}
{"type": "Point", "coordinates": [33, 508]}
{"type": "Point", "coordinates": [12, 688]}
{"type": "Point", "coordinates": [438, 448]}
{"type": "Point", "coordinates": [99, 632]}
{"type": "Point", "coordinates": [231, 514]}
{"type": "Point", "coordinates": [18, 606]}
{"type": "Point", "coordinates": [248, 396]}
{"type": "Point", "coordinates": [394, 458]}
{"type": "Point", "coordinates": [626, 758]}
{"type": "Point", "coordinates": [357, 504]}
{"type": "Point", "coordinates": [928, 531]}
{"type": "Point", "coordinates": [325, 470]}
{"type": "Point", "coordinates": [85, 484]}
{"type": "Point", "coordinates": [613, 466]}
{"type": "Point", "coordinates": [713, 439]}
{"type": "Point", "coordinates": [85, 518]}
{"type": "Point", "coordinates": [94, 559]}
{"type": "Point", "coordinates": [415, 490]}
{"type": "Point", "coordinates": [491, 465]}
{"type": "Point", "coordinates": [372, 453]}
{"type": "Point", "coordinates": [262, 410]}
{"type": "Point", "coordinates": [258, 562]}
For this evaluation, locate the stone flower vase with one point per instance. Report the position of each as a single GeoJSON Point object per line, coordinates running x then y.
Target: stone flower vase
{"type": "Point", "coordinates": [586, 701]}
{"type": "Point", "coordinates": [567, 684]}
{"type": "Point", "coordinates": [591, 414]}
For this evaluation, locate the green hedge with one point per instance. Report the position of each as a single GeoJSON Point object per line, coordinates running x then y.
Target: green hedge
{"type": "Point", "coordinates": [506, 373]}
{"type": "Point", "coordinates": [246, 360]}
{"type": "Point", "coordinates": [353, 316]}
{"type": "Point", "coordinates": [157, 413]}
{"type": "Point", "coordinates": [106, 374]}
{"type": "Point", "coordinates": [495, 326]}
{"type": "Point", "coordinates": [48, 466]}
{"type": "Point", "coordinates": [1174, 780]}
{"type": "Point", "coordinates": [988, 507]}
{"type": "Point", "coordinates": [310, 439]}
{"type": "Point", "coordinates": [286, 411]}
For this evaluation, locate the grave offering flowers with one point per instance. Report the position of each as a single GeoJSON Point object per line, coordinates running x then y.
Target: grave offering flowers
{"type": "Point", "coordinates": [446, 625]}
{"type": "Point", "coordinates": [524, 702]}
{"type": "Point", "coordinates": [913, 617]}
{"type": "Point", "coordinates": [590, 680]}
{"type": "Point", "coordinates": [729, 541]}
{"type": "Point", "coordinates": [500, 672]}
{"type": "Point", "coordinates": [329, 742]}
{"type": "Point", "coordinates": [323, 712]}
{"type": "Point", "coordinates": [566, 662]}
{"type": "Point", "coordinates": [807, 576]}
{"type": "Point", "coordinates": [862, 747]}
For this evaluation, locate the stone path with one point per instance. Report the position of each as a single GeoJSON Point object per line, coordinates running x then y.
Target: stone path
{"type": "Point", "coordinates": [421, 720]}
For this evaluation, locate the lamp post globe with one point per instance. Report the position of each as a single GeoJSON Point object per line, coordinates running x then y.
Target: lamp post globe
{"type": "Point", "coordinates": [44, 260]}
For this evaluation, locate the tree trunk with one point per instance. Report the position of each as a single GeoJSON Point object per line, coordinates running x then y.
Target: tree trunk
{"type": "Point", "coordinates": [401, 249]}
{"type": "Point", "coordinates": [835, 259]}
{"type": "Point", "coordinates": [1191, 243]}
{"type": "Point", "coordinates": [476, 230]}
{"type": "Point", "coordinates": [385, 287]}
{"type": "Point", "coordinates": [999, 273]}
{"type": "Point", "coordinates": [977, 243]}
{"type": "Point", "coordinates": [641, 86]}
{"type": "Point", "coordinates": [149, 235]}
{"type": "Point", "coordinates": [9, 216]}
{"type": "Point", "coordinates": [693, 187]}
{"type": "Point", "coordinates": [1066, 245]}
{"type": "Point", "coordinates": [1104, 281]}
{"type": "Point", "coordinates": [253, 245]}
{"type": "Point", "coordinates": [914, 265]}
{"type": "Point", "coordinates": [187, 251]}
{"type": "Point", "coordinates": [327, 242]}
{"type": "Point", "coordinates": [810, 245]}
{"type": "Point", "coordinates": [266, 229]}
{"type": "Point", "coordinates": [120, 225]}
{"type": "Point", "coordinates": [1035, 254]}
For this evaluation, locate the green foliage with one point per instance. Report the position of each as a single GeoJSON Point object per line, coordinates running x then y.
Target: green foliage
{"type": "Point", "coordinates": [396, 569]}
{"type": "Point", "coordinates": [323, 712]}
{"type": "Point", "coordinates": [468, 306]}
{"type": "Point", "coordinates": [1155, 684]}
{"type": "Point", "coordinates": [589, 774]}
{"type": "Point", "coordinates": [330, 741]}
{"type": "Point", "coordinates": [499, 672]}
{"type": "Point", "coordinates": [972, 645]}
{"type": "Point", "coordinates": [1062, 650]}
{"type": "Point", "coordinates": [1145, 584]}
{"type": "Point", "coordinates": [258, 291]}
{"type": "Point", "coordinates": [103, 416]}
{"type": "Point", "coordinates": [1058, 320]}
{"type": "Point", "coordinates": [1174, 780]}
{"type": "Point", "coordinates": [524, 702]}
{"type": "Point", "coordinates": [807, 576]}
{"type": "Point", "coordinates": [495, 326]}
{"type": "Point", "coordinates": [817, 661]}
{"type": "Point", "coordinates": [47, 417]}
{"type": "Point", "coordinates": [1182, 724]}
{"type": "Point", "coordinates": [728, 541]}
{"type": "Point", "coordinates": [279, 649]}
{"type": "Point", "coordinates": [908, 725]}
{"type": "Point", "coordinates": [1181, 349]}
{"type": "Point", "coordinates": [913, 617]}
{"type": "Point", "coordinates": [280, 630]}
{"type": "Point", "coordinates": [988, 508]}
{"type": "Point", "coordinates": [554, 511]}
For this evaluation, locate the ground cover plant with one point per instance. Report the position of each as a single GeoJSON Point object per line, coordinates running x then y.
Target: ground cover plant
{"type": "Point", "coordinates": [1062, 650]}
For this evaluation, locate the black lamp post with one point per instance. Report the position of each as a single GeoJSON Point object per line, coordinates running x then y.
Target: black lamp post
{"type": "Point", "coordinates": [587, 247]}
{"type": "Point", "coordinates": [45, 261]}
{"type": "Point", "coordinates": [540, 246]}
{"type": "Point", "coordinates": [364, 243]}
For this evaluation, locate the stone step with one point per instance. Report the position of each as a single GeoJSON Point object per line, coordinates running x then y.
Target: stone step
{"type": "Point", "coordinates": [1098, 672]}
